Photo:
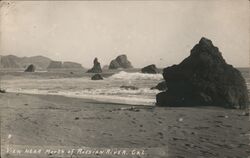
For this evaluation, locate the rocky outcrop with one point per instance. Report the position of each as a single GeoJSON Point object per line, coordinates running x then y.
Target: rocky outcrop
{"type": "Point", "coordinates": [120, 62]}
{"type": "Point", "coordinates": [204, 79]}
{"type": "Point", "coordinates": [160, 86]}
{"type": "Point", "coordinates": [96, 67]}
{"type": "Point", "coordinates": [97, 77]}
{"type": "Point", "coordinates": [30, 68]}
{"type": "Point", "coordinates": [150, 69]}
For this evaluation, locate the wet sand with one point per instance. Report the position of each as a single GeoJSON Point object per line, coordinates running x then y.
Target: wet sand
{"type": "Point", "coordinates": [49, 121]}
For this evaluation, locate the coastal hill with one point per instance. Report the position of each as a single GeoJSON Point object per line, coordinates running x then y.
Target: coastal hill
{"type": "Point", "coordinates": [41, 62]}
{"type": "Point", "coordinates": [12, 61]}
{"type": "Point", "coordinates": [64, 65]}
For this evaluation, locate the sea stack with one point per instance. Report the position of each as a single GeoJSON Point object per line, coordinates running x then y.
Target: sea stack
{"type": "Point", "coordinates": [204, 79]}
{"type": "Point", "coordinates": [96, 67]}
{"type": "Point", "coordinates": [150, 69]}
{"type": "Point", "coordinates": [120, 62]}
{"type": "Point", "coordinates": [30, 68]}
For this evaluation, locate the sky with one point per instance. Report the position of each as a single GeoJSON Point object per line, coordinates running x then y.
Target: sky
{"type": "Point", "coordinates": [148, 32]}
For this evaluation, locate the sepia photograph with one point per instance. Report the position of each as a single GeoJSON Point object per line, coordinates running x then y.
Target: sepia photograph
{"type": "Point", "coordinates": [125, 79]}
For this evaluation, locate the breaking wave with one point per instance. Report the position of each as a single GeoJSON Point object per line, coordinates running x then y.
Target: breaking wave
{"type": "Point", "coordinates": [123, 87]}
{"type": "Point", "coordinates": [136, 76]}
{"type": "Point", "coordinates": [113, 95]}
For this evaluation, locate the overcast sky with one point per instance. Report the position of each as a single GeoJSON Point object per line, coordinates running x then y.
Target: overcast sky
{"type": "Point", "coordinates": [159, 32]}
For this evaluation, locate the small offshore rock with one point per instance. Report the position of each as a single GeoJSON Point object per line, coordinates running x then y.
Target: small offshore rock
{"type": "Point", "coordinates": [97, 77]}
{"type": "Point", "coordinates": [150, 69]}
{"type": "Point", "coordinates": [30, 68]}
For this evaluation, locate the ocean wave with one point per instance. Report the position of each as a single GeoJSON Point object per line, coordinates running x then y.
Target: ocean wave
{"type": "Point", "coordinates": [118, 91]}
{"type": "Point", "coordinates": [98, 95]}
{"type": "Point", "coordinates": [143, 92]}
{"type": "Point", "coordinates": [136, 76]}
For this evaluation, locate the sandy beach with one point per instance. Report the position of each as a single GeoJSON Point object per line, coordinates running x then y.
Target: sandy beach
{"type": "Point", "coordinates": [49, 121]}
{"type": "Point", "coordinates": [124, 79]}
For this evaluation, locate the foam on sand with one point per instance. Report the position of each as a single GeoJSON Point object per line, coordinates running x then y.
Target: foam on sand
{"type": "Point", "coordinates": [113, 95]}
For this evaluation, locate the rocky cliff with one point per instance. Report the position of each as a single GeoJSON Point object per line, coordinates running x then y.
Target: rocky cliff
{"type": "Point", "coordinates": [204, 79]}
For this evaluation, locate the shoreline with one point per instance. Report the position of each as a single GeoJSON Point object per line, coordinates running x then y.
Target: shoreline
{"type": "Point", "coordinates": [37, 120]}
{"type": "Point", "coordinates": [98, 102]}
{"type": "Point", "coordinates": [96, 99]}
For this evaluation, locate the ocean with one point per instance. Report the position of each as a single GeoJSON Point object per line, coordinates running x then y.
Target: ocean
{"type": "Point", "coordinates": [107, 90]}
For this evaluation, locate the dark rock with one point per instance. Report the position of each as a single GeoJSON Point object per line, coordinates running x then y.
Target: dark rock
{"type": "Point", "coordinates": [161, 86]}
{"type": "Point", "coordinates": [120, 62]}
{"type": "Point", "coordinates": [2, 91]}
{"type": "Point", "coordinates": [96, 68]}
{"type": "Point", "coordinates": [97, 77]}
{"type": "Point", "coordinates": [129, 87]}
{"type": "Point", "coordinates": [31, 68]}
{"type": "Point", "coordinates": [150, 69]}
{"type": "Point", "coordinates": [204, 79]}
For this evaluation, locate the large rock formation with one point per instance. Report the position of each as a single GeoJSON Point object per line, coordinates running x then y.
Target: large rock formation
{"type": "Point", "coordinates": [30, 68]}
{"type": "Point", "coordinates": [96, 67]}
{"type": "Point", "coordinates": [120, 62]}
{"type": "Point", "coordinates": [150, 69]}
{"type": "Point", "coordinates": [204, 79]}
